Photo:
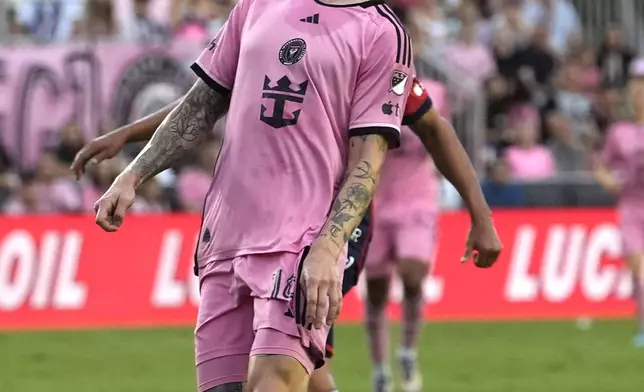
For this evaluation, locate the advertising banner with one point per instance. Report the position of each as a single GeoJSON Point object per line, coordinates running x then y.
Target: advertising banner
{"type": "Point", "coordinates": [64, 272]}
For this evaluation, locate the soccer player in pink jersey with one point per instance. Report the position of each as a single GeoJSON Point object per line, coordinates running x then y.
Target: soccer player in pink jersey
{"type": "Point", "coordinates": [404, 237]}
{"type": "Point", "coordinates": [306, 136]}
{"type": "Point", "coordinates": [437, 137]}
{"type": "Point", "coordinates": [621, 171]}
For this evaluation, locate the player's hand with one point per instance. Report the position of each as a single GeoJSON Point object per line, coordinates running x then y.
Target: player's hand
{"type": "Point", "coordinates": [99, 149]}
{"type": "Point", "coordinates": [483, 244]}
{"type": "Point", "coordinates": [320, 280]}
{"type": "Point", "coordinates": [111, 207]}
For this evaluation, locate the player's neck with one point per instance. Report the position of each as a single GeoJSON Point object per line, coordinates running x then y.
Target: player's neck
{"type": "Point", "coordinates": [345, 3]}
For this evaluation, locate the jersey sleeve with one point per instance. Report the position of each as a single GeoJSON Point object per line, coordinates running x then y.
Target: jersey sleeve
{"type": "Point", "coordinates": [418, 103]}
{"type": "Point", "coordinates": [382, 86]}
{"type": "Point", "coordinates": [217, 64]}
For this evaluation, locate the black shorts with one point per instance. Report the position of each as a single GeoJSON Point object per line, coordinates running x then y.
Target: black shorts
{"type": "Point", "coordinates": [358, 247]}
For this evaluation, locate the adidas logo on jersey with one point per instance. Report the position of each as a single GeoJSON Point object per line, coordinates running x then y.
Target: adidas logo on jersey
{"type": "Point", "coordinates": [315, 19]}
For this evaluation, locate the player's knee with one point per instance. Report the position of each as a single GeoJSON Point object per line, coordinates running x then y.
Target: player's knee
{"type": "Point", "coordinates": [378, 291]}
{"type": "Point", "coordinates": [276, 373]}
{"type": "Point", "coordinates": [230, 387]}
{"type": "Point", "coordinates": [321, 381]}
{"type": "Point", "coordinates": [412, 274]}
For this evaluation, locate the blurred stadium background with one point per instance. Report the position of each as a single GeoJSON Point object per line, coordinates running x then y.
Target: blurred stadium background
{"type": "Point", "coordinates": [532, 86]}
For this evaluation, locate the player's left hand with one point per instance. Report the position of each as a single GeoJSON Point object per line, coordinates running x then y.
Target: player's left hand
{"type": "Point", "coordinates": [483, 244]}
{"type": "Point", "coordinates": [321, 282]}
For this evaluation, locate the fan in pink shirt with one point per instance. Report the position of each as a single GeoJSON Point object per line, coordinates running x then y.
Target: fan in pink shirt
{"type": "Point", "coordinates": [621, 171]}
{"type": "Point", "coordinates": [528, 159]}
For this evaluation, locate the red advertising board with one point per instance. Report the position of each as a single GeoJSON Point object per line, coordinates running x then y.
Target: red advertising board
{"type": "Point", "coordinates": [64, 272]}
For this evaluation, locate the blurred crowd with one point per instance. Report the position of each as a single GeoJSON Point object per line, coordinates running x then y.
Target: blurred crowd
{"type": "Point", "coordinates": [550, 96]}
{"type": "Point", "coordinates": [142, 21]}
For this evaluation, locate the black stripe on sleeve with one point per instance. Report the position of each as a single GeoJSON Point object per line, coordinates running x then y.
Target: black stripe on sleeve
{"type": "Point", "coordinates": [399, 34]}
{"type": "Point", "coordinates": [196, 68]}
{"type": "Point", "coordinates": [390, 133]}
{"type": "Point", "coordinates": [424, 108]}
{"type": "Point", "coordinates": [406, 57]}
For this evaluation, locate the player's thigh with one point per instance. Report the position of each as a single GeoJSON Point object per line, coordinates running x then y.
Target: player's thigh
{"type": "Point", "coordinates": [276, 373]}
{"type": "Point", "coordinates": [222, 352]}
{"type": "Point", "coordinates": [279, 306]}
{"type": "Point", "coordinates": [322, 380]}
{"type": "Point", "coordinates": [414, 250]}
{"type": "Point", "coordinates": [632, 231]}
{"type": "Point", "coordinates": [378, 260]}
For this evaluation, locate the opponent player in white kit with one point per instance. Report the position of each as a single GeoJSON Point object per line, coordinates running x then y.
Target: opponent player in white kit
{"type": "Point", "coordinates": [306, 136]}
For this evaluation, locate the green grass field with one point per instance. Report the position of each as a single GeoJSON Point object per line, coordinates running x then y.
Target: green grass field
{"type": "Point", "coordinates": [467, 357]}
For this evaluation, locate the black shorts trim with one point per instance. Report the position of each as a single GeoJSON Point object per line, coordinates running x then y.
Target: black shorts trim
{"type": "Point", "coordinates": [212, 83]}
{"type": "Point", "coordinates": [412, 118]}
{"type": "Point", "coordinates": [390, 133]}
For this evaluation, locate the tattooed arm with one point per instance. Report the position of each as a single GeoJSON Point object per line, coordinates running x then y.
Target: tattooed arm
{"type": "Point", "coordinates": [366, 157]}
{"type": "Point", "coordinates": [180, 132]}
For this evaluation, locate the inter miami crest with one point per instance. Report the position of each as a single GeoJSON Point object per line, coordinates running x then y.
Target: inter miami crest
{"type": "Point", "coordinates": [398, 83]}
{"type": "Point", "coordinates": [292, 51]}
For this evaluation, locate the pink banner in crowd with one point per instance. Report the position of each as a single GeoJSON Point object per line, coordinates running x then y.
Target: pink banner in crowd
{"type": "Point", "coordinates": [43, 88]}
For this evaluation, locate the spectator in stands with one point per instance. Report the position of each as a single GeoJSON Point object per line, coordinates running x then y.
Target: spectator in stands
{"type": "Point", "coordinates": [56, 191]}
{"type": "Point", "coordinates": [537, 66]}
{"type": "Point", "coordinates": [49, 21]}
{"type": "Point", "coordinates": [71, 140]}
{"type": "Point", "coordinates": [98, 21]}
{"type": "Point", "coordinates": [511, 19]}
{"type": "Point", "coordinates": [201, 19]}
{"type": "Point", "coordinates": [614, 58]}
{"type": "Point", "coordinates": [567, 147]}
{"type": "Point", "coordinates": [431, 21]}
{"type": "Point", "coordinates": [25, 199]}
{"type": "Point", "coordinates": [8, 178]}
{"type": "Point", "coordinates": [150, 199]}
{"type": "Point", "coordinates": [608, 108]}
{"type": "Point", "coordinates": [469, 15]}
{"type": "Point", "coordinates": [527, 159]}
{"type": "Point", "coordinates": [194, 180]}
{"type": "Point", "coordinates": [571, 96]}
{"type": "Point", "coordinates": [143, 29]}
{"type": "Point", "coordinates": [560, 15]}
{"type": "Point", "coordinates": [499, 189]}
{"type": "Point", "coordinates": [469, 56]}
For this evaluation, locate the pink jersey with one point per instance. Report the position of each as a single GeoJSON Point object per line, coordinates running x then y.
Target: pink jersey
{"type": "Point", "coordinates": [408, 183]}
{"type": "Point", "coordinates": [624, 154]}
{"type": "Point", "coordinates": [304, 77]}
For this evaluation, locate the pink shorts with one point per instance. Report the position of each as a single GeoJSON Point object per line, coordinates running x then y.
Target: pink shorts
{"type": "Point", "coordinates": [632, 228]}
{"type": "Point", "coordinates": [395, 241]}
{"type": "Point", "coordinates": [252, 305]}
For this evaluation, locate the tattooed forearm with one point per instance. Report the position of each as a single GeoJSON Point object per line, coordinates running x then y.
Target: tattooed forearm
{"type": "Point", "coordinates": [356, 193]}
{"type": "Point", "coordinates": [182, 131]}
